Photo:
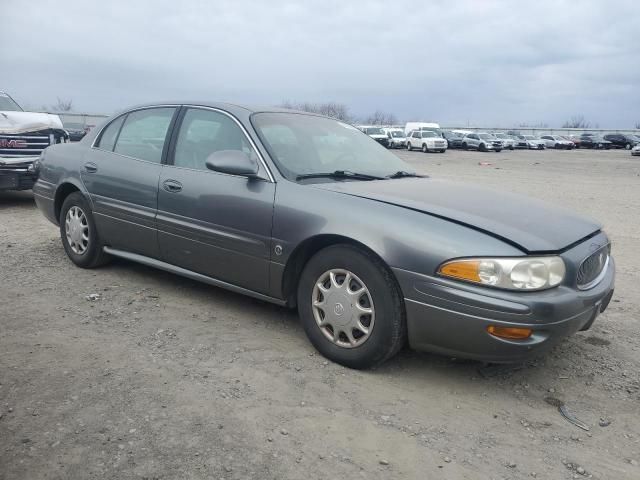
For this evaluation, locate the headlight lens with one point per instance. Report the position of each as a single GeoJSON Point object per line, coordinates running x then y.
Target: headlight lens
{"type": "Point", "coordinates": [523, 273]}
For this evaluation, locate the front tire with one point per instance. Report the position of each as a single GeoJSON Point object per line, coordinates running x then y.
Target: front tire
{"type": "Point", "coordinates": [482, 147]}
{"type": "Point", "coordinates": [79, 234]}
{"type": "Point", "coordinates": [409, 148]}
{"type": "Point", "coordinates": [350, 307]}
{"type": "Point", "coordinates": [424, 148]}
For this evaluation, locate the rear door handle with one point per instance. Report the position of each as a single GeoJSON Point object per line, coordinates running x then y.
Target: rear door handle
{"type": "Point", "coordinates": [90, 167]}
{"type": "Point", "coordinates": [172, 186]}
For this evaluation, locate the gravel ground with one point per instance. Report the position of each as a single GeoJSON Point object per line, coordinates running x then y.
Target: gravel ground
{"type": "Point", "coordinates": [161, 377]}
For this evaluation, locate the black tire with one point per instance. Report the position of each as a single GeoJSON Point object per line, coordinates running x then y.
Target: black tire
{"type": "Point", "coordinates": [482, 147]}
{"type": "Point", "coordinates": [442, 151]}
{"type": "Point", "coordinates": [93, 256]}
{"type": "Point", "coordinates": [464, 146]}
{"type": "Point", "coordinates": [627, 146]}
{"type": "Point", "coordinates": [388, 334]}
{"type": "Point", "coordinates": [512, 148]}
{"type": "Point", "coordinates": [409, 148]}
{"type": "Point", "coordinates": [498, 150]}
{"type": "Point", "coordinates": [424, 148]}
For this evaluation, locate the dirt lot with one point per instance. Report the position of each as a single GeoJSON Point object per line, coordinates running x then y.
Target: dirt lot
{"type": "Point", "coordinates": [164, 378]}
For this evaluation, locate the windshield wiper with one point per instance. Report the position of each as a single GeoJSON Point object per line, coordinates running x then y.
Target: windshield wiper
{"type": "Point", "coordinates": [402, 174]}
{"type": "Point", "coordinates": [340, 174]}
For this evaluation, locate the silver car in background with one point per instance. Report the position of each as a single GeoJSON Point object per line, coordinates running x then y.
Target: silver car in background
{"type": "Point", "coordinates": [534, 143]}
{"type": "Point", "coordinates": [482, 142]}
{"type": "Point", "coordinates": [557, 142]}
{"type": "Point", "coordinates": [508, 141]}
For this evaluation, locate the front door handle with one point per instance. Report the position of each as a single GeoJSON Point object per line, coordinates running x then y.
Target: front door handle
{"type": "Point", "coordinates": [172, 186]}
{"type": "Point", "coordinates": [90, 167]}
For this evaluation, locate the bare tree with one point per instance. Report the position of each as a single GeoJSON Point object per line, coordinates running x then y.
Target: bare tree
{"type": "Point", "coordinates": [577, 121]}
{"type": "Point", "coordinates": [637, 126]}
{"type": "Point", "coordinates": [381, 118]}
{"type": "Point", "coordinates": [335, 110]}
{"type": "Point", "coordinates": [63, 105]}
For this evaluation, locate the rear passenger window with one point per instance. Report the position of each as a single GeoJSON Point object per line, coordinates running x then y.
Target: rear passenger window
{"type": "Point", "coordinates": [109, 134]}
{"type": "Point", "coordinates": [204, 132]}
{"type": "Point", "coordinates": [144, 133]}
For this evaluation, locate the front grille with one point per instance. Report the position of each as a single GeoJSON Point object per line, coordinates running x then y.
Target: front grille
{"type": "Point", "coordinates": [439, 143]}
{"type": "Point", "coordinates": [24, 145]}
{"type": "Point", "coordinates": [592, 267]}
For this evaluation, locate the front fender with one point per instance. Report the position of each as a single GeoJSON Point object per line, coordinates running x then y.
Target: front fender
{"type": "Point", "coordinates": [401, 237]}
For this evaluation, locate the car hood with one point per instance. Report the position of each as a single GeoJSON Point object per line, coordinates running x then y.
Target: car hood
{"type": "Point", "coordinates": [530, 224]}
{"type": "Point", "coordinates": [14, 123]}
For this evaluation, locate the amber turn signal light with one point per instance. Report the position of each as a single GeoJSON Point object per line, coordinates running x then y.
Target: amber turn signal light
{"type": "Point", "coordinates": [511, 333]}
{"type": "Point", "coordinates": [464, 270]}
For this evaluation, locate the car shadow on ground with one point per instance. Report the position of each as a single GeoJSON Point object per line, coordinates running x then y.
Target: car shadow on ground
{"type": "Point", "coordinates": [12, 199]}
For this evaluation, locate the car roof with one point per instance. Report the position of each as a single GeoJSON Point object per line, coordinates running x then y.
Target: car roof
{"type": "Point", "coordinates": [227, 106]}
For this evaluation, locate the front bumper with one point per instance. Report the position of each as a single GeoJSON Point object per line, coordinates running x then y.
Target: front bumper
{"type": "Point", "coordinates": [451, 318]}
{"type": "Point", "coordinates": [17, 173]}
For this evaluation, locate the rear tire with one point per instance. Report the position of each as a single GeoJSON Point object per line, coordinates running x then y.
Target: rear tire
{"type": "Point", "coordinates": [79, 234]}
{"type": "Point", "coordinates": [424, 148]}
{"type": "Point", "coordinates": [387, 326]}
{"type": "Point", "coordinates": [409, 147]}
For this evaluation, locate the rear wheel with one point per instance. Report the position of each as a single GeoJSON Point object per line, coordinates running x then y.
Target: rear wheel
{"type": "Point", "coordinates": [627, 146]}
{"type": "Point", "coordinates": [79, 234]}
{"type": "Point", "coordinates": [409, 146]}
{"type": "Point", "coordinates": [350, 307]}
{"type": "Point", "coordinates": [424, 148]}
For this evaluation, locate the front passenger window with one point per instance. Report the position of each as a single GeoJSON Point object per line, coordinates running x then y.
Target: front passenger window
{"type": "Point", "coordinates": [204, 132]}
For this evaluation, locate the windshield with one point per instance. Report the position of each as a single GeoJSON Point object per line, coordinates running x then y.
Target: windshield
{"type": "Point", "coordinates": [501, 135]}
{"type": "Point", "coordinates": [485, 136]}
{"type": "Point", "coordinates": [428, 134]}
{"type": "Point", "coordinates": [373, 131]}
{"type": "Point", "coordinates": [529, 137]}
{"type": "Point", "coordinates": [302, 144]}
{"type": "Point", "coordinates": [397, 134]}
{"type": "Point", "coordinates": [7, 104]}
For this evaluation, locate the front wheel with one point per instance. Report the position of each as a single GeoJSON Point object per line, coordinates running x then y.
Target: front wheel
{"type": "Point", "coordinates": [78, 231]}
{"type": "Point", "coordinates": [424, 148]}
{"type": "Point", "coordinates": [464, 146]}
{"type": "Point", "coordinates": [482, 147]}
{"type": "Point", "coordinates": [350, 307]}
{"type": "Point", "coordinates": [498, 150]}
{"type": "Point", "coordinates": [409, 146]}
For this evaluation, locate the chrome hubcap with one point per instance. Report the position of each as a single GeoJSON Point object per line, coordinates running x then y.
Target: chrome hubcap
{"type": "Point", "coordinates": [343, 308]}
{"type": "Point", "coordinates": [77, 229]}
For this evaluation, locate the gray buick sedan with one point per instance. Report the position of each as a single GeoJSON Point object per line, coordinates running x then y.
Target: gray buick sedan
{"type": "Point", "coordinates": [309, 212]}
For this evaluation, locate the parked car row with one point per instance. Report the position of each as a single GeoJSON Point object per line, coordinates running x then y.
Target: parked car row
{"type": "Point", "coordinates": [427, 137]}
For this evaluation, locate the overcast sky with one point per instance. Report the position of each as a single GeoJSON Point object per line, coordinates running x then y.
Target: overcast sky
{"type": "Point", "coordinates": [483, 62]}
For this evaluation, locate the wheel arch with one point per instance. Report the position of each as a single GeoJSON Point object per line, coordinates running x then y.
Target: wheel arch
{"type": "Point", "coordinates": [65, 189]}
{"type": "Point", "coordinates": [307, 249]}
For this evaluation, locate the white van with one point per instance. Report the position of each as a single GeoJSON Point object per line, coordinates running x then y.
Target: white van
{"type": "Point", "coordinates": [397, 138]}
{"type": "Point", "coordinates": [411, 126]}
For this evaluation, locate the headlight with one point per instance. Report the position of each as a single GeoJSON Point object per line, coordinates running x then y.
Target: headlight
{"type": "Point", "coordinates": [522, 273]}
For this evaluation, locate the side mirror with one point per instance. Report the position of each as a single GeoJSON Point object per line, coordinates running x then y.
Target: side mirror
{"type": "Point", "coordinates": [233, 162]}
